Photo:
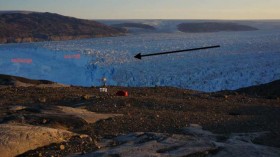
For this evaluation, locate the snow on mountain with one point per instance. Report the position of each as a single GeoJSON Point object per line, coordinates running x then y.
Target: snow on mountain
{"type": "Point", "coordinates": [244, 59]}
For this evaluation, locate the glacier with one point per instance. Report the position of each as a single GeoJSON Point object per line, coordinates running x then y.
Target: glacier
{"type": "Point", "coordinates": [244, 59]}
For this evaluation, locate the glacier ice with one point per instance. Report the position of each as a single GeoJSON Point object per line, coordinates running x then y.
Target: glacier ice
{"type": "Point", "coordinates": [244, 59]}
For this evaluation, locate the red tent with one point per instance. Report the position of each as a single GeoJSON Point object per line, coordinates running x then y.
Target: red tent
{"type": "Point", "coordinates": [122, 93]}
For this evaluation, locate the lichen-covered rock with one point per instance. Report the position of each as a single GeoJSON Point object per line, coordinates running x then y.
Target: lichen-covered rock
{"type": "Point", "coordinates": [17, 139]}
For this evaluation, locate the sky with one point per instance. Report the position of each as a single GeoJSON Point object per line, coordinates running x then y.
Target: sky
{"type": "Point", "coordinates": [152, 9]}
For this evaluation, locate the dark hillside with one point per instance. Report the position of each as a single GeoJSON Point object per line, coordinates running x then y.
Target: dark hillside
{"type": "Point", "coordinates": [32, 27]}
{"type": "Point", "coordinates": [212, 27]}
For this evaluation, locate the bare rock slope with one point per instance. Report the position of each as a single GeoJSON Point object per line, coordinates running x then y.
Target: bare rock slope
{"type": "Point", "coordinates": [15, 81]}
{"type": "Point", "coordinates": [31, 27]}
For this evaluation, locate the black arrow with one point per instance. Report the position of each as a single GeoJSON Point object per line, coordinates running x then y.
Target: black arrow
{"type": "Point", "coordinates": [139, 55]}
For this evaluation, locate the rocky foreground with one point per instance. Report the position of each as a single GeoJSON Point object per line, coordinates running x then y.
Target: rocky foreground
{"type": "Point", "coordinates": [159, 121]}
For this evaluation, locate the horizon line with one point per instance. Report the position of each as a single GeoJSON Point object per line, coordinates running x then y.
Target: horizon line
{"type": "Point", "coordinates": [188, 19]}
{"type": "Point", "coordinates": [212, 19]}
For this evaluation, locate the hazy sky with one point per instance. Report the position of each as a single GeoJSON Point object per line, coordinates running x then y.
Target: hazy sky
{"type": "Point", "coordinates": [152, 9]}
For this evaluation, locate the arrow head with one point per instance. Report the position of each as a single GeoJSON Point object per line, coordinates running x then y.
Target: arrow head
{"type": "Point", "coordinates": [138, 56]}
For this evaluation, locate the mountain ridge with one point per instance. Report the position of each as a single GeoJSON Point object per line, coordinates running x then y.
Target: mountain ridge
{"type": "Point", "coordinates": [203, 27]}
{"type": "Point", "coordinates": [34, 27]}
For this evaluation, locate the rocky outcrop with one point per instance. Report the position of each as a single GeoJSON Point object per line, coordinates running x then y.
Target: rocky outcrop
{"type": "Point", "coordinates": [269, 90]}
{"type": "Point", "coordinates": [17, 139]}
{"type": "Point", "coordinates": [192, 142]}
{"type": "Point", "coordinates": [14, 81]}
{"type": "Point", "coordinates": [34, 27]}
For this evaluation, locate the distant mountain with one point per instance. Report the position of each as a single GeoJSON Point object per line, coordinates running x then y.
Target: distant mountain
{"type": "Point", "coordinates": [134, 25]}
{"type": "Point", "coordinates": [32, 26]}
{"type": "Point", "coordinates": [16, 11]}
{"type": "Point", "coordinates": [212, 27]}
{"type": "Point", "coordinates": [171, 26]}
